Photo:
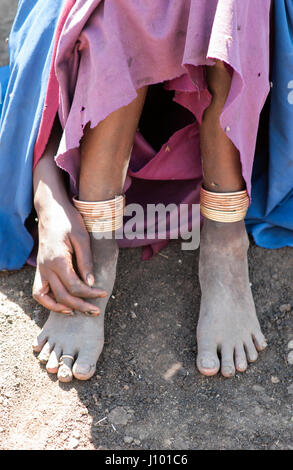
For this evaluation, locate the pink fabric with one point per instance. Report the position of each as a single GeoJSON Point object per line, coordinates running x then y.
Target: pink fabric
{"type": "Point", "coordinates": [110, 48]}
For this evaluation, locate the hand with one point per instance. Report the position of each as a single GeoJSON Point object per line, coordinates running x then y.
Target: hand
{"type": "Point", "coordinates": [63, 239]}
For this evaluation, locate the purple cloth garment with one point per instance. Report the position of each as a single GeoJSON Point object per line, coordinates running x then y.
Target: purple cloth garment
{"type": "Point", "coordinates": [110, 48]}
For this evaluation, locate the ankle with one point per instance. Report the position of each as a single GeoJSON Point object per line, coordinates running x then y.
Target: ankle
{"type": "Point", "coordinates": [229, 237]}
{"type": "Point", "coordinates": [104, 249]}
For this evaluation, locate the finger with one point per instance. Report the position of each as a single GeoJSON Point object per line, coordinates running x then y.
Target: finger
{"type": "Point", "coordinates": [75, 286]}
{"type": "Point", "coordinates": [64, 297]}
{"type": "Point", "coordinates": [41, 295]}
{"type": "Point", "coordinates": [84, 258]}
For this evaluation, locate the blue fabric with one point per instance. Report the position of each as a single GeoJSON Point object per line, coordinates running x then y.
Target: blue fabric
{"type": "Point", "coordinates": [270, 217]}
{"type": "Point", "coordinates": [4, 77]}
{"type": "Point", "coordinates": [30, 47]}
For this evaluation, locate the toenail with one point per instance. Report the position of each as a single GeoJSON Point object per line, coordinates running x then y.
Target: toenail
{"type": "Point", "coordinates": [208, 364]}
{"type": "Point", "coordinates": [83, 368]}
{"type": "Point", "coordinates": [64, 372]}
{"type": "Point", "coordinates": [242, 365]}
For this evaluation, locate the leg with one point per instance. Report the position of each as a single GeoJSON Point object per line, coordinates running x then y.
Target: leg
{"type": "Point", "coordinates": [227, 323]}
{"type": "Point", "coordinates": [105, 156]}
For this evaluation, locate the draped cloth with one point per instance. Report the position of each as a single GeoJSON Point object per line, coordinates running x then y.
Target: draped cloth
{"type": "Point", "coordinates": [99, 52]}
{"type": "Point", "coordinates": [270, 217]}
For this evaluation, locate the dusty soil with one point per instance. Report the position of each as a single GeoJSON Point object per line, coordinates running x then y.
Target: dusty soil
{"type": "Point", "coordinates": [130, 403]}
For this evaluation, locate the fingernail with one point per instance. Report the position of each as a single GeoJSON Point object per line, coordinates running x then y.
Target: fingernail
{"type": "Point", "coordinates": [67, 312]}
{"type": "Point", "coordinates": [90, 280]}
{"type": "Point", "coordinates": [94, 312]}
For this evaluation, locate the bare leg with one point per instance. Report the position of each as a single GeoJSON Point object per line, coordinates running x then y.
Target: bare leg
{"type": "Point", "coordinates": [105, 156]}
{"type": "Point", "coordinates": [228, 324]}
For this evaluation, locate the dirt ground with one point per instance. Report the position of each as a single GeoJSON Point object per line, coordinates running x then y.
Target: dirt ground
{"type": "Point", "coordinates": [130, 403]}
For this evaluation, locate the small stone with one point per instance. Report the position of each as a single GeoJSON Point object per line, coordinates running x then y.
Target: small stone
{"type": "Point", "coordinates": [118, 416]}
{"type": "Point", "coordinates": [290, 344]}
{"type": "Point", "coordinates": [73, 443]}
{"type": "Point", "coordinates": [126, 387]}
{"type": "Point", "coordinates": [258, 388]}
{"type": "Point", "coordinates": [21, 293]}
{"type": "Point", "coordinates": [1, 429]}
{"type": "Point", "coordinates": [275, 380]}
{"type": "Point", "coordinates": [128, 439]}
{"type": "Point", "coordinates": [137, 442]}
{"type": "Point", "coordinates": [285, 308]}
{"type": "Point", "coordinates": [167, 442]}
{"type": "Point", "coordinates": [133, 315]}
{"type": "Point", "coordinates": [290, 389]}
{"type": "Point", "coordinates": [76, 434]}
{"type": "Point", "coordinates": [135, 304]}
{"type": "Point", "coordinates": [290, 358]}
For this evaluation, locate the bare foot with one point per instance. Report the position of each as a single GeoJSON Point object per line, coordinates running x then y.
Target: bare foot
{"type": "Point", "coordinates": [228, 324]}
{"type": "Point", "coordinates": [79, 336]}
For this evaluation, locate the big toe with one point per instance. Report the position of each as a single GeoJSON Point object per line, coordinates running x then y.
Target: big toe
{"type": "Point", "coordinates": [85, 365]}
{"type": "Point", "coordinates": [207, 361]}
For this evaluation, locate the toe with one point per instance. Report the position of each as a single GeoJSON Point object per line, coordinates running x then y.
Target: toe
{"type": "Point", "coordinates": [251, 351]}
{"type": "Point", "coordinates": [259, 341]}
{"type": "Point", "coordinates": [53, 361]}
{"type": "Point", "coordinates": [207, 360]}
{"type": "Point", "coordinates": [227, 361]}
{"type": "Point", "coordinates": [85, 365]}
{"type": "Point", "coordinates": [39, 342]}
{"type": "Point", "coordinates": [45, 353]}
{"type": "Point", "coordinates": [240, 358]}
{"type": "Point", "coordinates": [65, 368]}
